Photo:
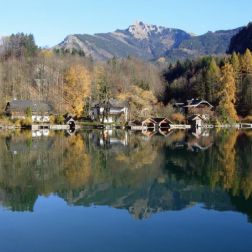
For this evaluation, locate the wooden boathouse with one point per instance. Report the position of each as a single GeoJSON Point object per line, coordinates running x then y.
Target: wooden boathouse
{"type": "Point", "coordinates": [155, 123]}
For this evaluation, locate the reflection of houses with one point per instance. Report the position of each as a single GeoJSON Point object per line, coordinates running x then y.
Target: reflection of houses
{"type": "Point", "coordinates": [19, 109]}
{"type": "Point", "coordinates": [149, 133]}
{"type": "Point", "coordinates": [109, 112]}
{"type": "Point", "coordinates": [195, 107]}
{"type": "Point", "coordinates": [40, 133]}
{"type": "Point", "coordinates": [165, 132]}
{"type": "Point", "coordinates": [19, 145]}
{"type": "Point", "coordinates": [111, 139]}
{"type": "Point", "coordinates": [200, 141]}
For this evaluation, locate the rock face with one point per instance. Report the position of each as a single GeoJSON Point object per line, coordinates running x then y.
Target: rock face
{"type": "Point", "coordinates": [148, 42]}
{"type": "Point", "coordinates": [242, 40]}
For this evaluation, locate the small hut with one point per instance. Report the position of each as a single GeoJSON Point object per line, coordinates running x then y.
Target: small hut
{"type": "Point", "coordinates": [196, 121]}
{"type": "Point", "coordinates": [155, 123]}
{"type": "Point", "coordinates": [165, 123]}
{"type": "Point", "coordinates": [69, 120]}
{"type": "Point", "coordinates": [135, 125]}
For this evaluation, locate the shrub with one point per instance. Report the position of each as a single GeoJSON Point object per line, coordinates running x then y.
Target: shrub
{"type": "Point", "coordinates": [27, 122]}
{"type": "Point", "coordinates": [52, 119]}
{"type": "Point", "coordinates": [59, 119]}
{"type": "Point", "coordinates": [164, 111]}
{"type": "Point", "coordinates": [4, 120]}
{"type": "Point", "coordinates": [178, 118]}
{"type": "Point", "coordinates": [17, 123]}
{"type": "Point", "coordinates": [247, 119]}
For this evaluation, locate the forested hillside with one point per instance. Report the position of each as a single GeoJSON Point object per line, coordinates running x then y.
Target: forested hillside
{"type": "Point", "coordinates": [242, 40]}
{"type": "Point", "coordinates": [224, 82]}
{"type": "Point", "coordinates": [71, 81]}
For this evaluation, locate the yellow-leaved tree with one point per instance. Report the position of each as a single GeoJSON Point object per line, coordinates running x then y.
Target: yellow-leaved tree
{"type": "Point", "coordinates": [142, 102]}
{"type": "Point", "coordinates": [246, 61]}
{"type": "Point", "coordinates": [77, 85]}
{"type": "Point", "coordinates": [227, 93]}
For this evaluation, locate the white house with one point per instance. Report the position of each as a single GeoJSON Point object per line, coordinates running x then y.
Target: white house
{"type": "Point", "coordinates": [20, 109]}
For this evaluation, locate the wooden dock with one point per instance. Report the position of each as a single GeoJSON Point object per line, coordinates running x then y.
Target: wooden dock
{"type": "Point", "coordinates": [180, 126]}
{"type": "Point", "coordinates": [235, 125]}
{"type": "Point", "coordinates": [50, 126]}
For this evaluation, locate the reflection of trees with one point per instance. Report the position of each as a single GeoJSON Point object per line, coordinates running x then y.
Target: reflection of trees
{"type": "Point", "coordinates": [142, 153]}
{"type": "Point", "coordinates": [226, 164]}
{"type": "Point", "coordinates": [76, 162]}
{"type": "Point", "coordinates": [227, 160]}
{"type": "Point", "coordinates": [244, 163]}
{"type": "Point", "coordinates": [142, 175]}
{"type": "Point", "coordinates": [30, 166]}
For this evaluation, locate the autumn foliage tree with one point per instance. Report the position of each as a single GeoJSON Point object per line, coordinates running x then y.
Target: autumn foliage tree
{"type": "Point", "coordinates": [142, 102]}
{"type": "Point", "coordinates": [227, 93]}
{"type": "Point", "coordinates": [212, 79]}
{"type": "Point", "coordinates": [246, 62]}
{"type": "Point", "coordinates": [77, 85]}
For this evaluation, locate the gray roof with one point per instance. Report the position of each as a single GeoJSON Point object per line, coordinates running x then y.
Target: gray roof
{"type": "Point", "coordinates": [118, 104]}
{"type": "Point", "coordinates": [112, 103]}
{"type": "Point", "coordinates": [194, 117]}
{"type": "Point", "coordinates": [197, 102]}
{"type": "Point", "coordinates": [23, 105]}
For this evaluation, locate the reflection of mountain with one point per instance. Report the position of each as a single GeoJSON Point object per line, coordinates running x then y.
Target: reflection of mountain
{"type": "Point", "coordinates": [160, 195]}
{"type": "Point", "coordinates": [128, 171]}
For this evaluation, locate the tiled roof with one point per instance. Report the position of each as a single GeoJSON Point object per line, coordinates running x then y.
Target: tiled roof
{"type": "Point", "coordinates": [23, 105]}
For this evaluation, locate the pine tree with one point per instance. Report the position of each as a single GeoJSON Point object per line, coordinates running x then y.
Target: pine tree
{"type": "Point", "coordinates": [103, 90]}
{"type": "Point", "coordinates": [246, 85]}
{"type": "Point", "coordinates": [212, 79]}
{"type": "Point", "coordinates": [226, 94]}
{"type": "Point", "coordinates": [236, 63]}
{"type": "Point", "coordinates": [247, 62]}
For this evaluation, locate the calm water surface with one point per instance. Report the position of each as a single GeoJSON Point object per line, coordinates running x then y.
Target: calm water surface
{"type": "Point", "coordinates": [122, 191]}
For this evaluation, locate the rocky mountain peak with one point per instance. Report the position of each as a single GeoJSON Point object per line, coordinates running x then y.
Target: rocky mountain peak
{"type": "Point", "coordinates": [141, 30]}
{"type": "Point", "coordinates": [149, 42]}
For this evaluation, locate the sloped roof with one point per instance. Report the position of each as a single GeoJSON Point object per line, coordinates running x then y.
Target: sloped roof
{"type": "Point", "coordinates": [23, 105]}
{"type": "Point", "coordinates": [135, 123]}
{"type": "Point", "coordinates": [155, 120]}
{"type": "Point", "coordinates": [112, 103]}
{"type": "Point", "coordinates": [197, 102]}
{"type": "Point", "coordinates": [195, 117]}
{"type": "Point", "coordinates": [118, 104]}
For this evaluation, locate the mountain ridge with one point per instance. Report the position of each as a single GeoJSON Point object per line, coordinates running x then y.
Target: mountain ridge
{"type": "Point", "coordinates": [148, 42]}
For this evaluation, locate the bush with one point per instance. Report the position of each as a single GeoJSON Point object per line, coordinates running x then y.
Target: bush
{"type": "Point", "coordinates": [52, 119]}
{"type": "Point", "coordinates": [27, 122]}
{"type": "Point", "coordinates": [17, 123]}
{"type": "Point", "coordinates": [59, 119]}
{"type": "Point", "coordinates": [164, 111]}
{"type": "Point", "coordinates": [178, 118]}
{"type": "Point", "coordinates": [4, 120]}
{"type": "Point", "coordinates": [247, 119]}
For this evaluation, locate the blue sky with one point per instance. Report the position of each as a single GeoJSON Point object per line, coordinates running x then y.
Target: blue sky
{"type": "Point", "coordinates": [51, 20]}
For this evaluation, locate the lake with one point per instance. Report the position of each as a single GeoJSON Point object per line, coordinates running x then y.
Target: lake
{"type": "Point", "coordinates": [124, 191]}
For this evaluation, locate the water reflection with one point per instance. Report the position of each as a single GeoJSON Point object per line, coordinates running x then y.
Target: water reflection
{"type": "Point", "coordinates": [143, 173]}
